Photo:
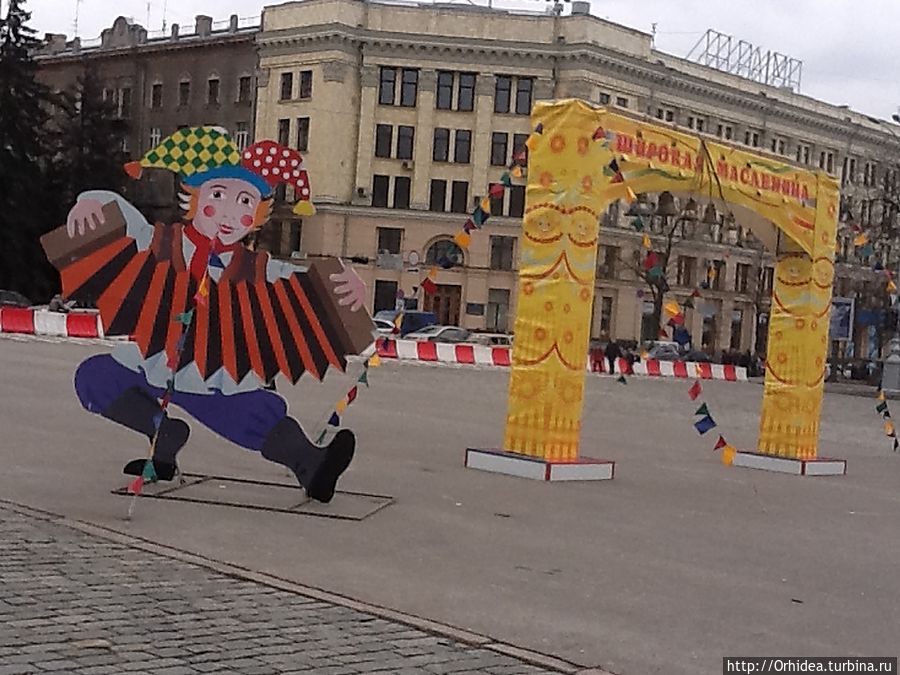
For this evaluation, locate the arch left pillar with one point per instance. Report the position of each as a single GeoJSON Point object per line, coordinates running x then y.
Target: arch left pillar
{"type": "Point", "coordinates": [563, 204]}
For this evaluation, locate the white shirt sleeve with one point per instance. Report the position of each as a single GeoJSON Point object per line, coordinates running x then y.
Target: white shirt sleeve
{"type": "Point", "coordinates": [136, 226]}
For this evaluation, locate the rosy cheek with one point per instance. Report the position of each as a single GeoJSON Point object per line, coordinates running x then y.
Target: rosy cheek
{"type": "Point", "coordinates": [246, 220]}
{"type": "Point", "coordinates": [209, 211]}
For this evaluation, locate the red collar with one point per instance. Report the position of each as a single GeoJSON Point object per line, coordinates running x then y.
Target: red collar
{"type": "Point", "coordinates": [205, 244]}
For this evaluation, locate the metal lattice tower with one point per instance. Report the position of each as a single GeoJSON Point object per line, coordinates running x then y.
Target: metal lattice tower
{"type": "Point", "coordinates": [739, 57]}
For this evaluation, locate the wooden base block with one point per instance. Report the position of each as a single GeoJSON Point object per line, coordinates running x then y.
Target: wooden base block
{"type": "Point", "coordinates": [523, 466]}
{"type": "Point", "coordinates": [798, 467]}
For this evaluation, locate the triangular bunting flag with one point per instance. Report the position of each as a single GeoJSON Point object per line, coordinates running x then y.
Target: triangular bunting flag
{"type": "Point", "coordinates": [429, 286]}
{"type": "Point", "coordinates": [638, 224]}
{"type": "Point", "coordinates": [516, 171]}
{"type": "Point", "coordinates": [334, 420]}
{"type": "Point", "coordinates": [891, 286]}
{"type": "Point", "coordinates": [728, 455]}
{"type": "Point", "coordinates": [881, 407]}
{"type": "Point", "coordinates": [881, 396]}
{"type": "Point", "coordinates": [341, 406]}
{"type": "Point", "coordinates": [599, 133]}
{"type": "Point", "coordinates": [861, 240]}
{"type": "Point", "coordinates": [614, 166]}
{"type": "Point", "coordinates": [704, 424]}
{"type": "Point", "coordinates": [531, 143]}
{"type": "Point", "coordinates": [672, 308]}
{"type": "Point", "coordinates": [479, 216]}
{"type": "Point", "coordinates": [469, 226]}
{"type": "Point", "coordinates": [721, 443]}
{"type": "Point", "coordinates": [364, 378]}
{"type": "Point", "coordinates": [374, 361]}
{"type": "Point", "coordinates": [432, 273]}
{"type": "Point", "coordinates": [645, 242]}
{"type": "Point", "coordinates": [351, 395]}
{"type": "Point", "coordinates": [695, 390]}
{"type": "Point", "coordinates": [505, 179]}
{"type": "Point", "coordinates": [149, 472]}
{"type": "Point", "coordinates": [496, 189]}
{"type": "Point", "coordinates": [462, 239]}
{"type": "Point", "coordinates": [621, 379]}
{"type": "Point", "coordinates": [539, 129]}
{"type": "Point", "coordinates": [896, 444]}
{"type": "Point", "coordinates": [887, 414]}
{"type": "Point", "coordinates": [135, 486]}
{"type": "Point", "coordinates": [703, 410]}
{"type": "Point", "coordinates": [486, 204]}
{"type": "Point", "coordinates": [889, 429]}
{"type": "Point", "coordinates": [185, 317]}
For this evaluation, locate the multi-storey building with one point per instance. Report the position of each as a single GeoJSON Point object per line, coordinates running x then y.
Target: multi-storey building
{"type": "Point", "coordinates": [161, 82]}
{"type": "Point", "coordinates": [407, 113]}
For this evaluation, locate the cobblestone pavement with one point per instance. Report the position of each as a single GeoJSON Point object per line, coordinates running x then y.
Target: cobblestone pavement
{"type": "Point", "coordinates": [71, 602]}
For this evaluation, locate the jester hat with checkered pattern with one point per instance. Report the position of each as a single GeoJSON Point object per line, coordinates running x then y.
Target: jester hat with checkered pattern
{"type": "Point", "coordinates": [199, 154]}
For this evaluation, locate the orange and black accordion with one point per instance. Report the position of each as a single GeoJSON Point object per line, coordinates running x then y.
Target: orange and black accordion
{"type": "Point", "coordinates": [246, 324]}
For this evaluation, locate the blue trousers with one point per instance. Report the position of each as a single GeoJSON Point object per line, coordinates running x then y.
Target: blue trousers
{"type": "Point", "coordinates": [245, 418]}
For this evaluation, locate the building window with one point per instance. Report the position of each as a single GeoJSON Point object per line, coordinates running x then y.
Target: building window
{"type": "Point", "coordinates": [516, 201]}
{"type": "Point", "coordinates": [869, 171]}
{"type": "Point", "coordinates": [497, 201]}
{"type": "Point", "coordinates": [737, 325]}
{"type": "Point", "coordinates": [621, 101]}
{"type": "Point", "coordinates": [465, 95]}
{"type": "Point", "coordinates": [441, 149]}
{"type": "Point", "coordinates": [212, 91]}
{"type": "Point", "coordinates": [665, 114]}
{"type": "Point", "coordinates": [715, 274]}
{"type": "Point", "coordinates": [826, 161]}
{"type": "Point", "coordinates": [401, 192]}
{"type": "Point", "coordinates": [444, 90]}
{"type": "Point", "coordinates": [384, 137]}
{"type": "Point", "coordinates": [499, 153]}
{"type": "Point", "coordinates": [779, 146]}
{"type": "Point", "coordinates": [685, 274]}
{"type": "Point", "coordinates": [287, 86]}
{"type": "Point", "coordinates": [751, 138]}
{"type": "Point", "coordinates": [387, 85]}
{"type": "Point", "coordinates": [519, 145]}
{"type": "Point", "coordinates": [437, 200]}
{"type": "Point", "coordinates": [244, 89]}
{"type": "Point", "coordinates": [380, 190]}
{"type": "Point", "coordinates": [696, 122]}
{"type": "Point", "coordinates": [124, 109]}
{"type": "Point", "coordinates": [303, 133]}
{"type": "Point", "coordinates": [305, 84]}
{"type": "Point", "coordinates": [155, 136]}
{"type": "Point", "coordinates": [725, 131]}
{"type": "Point", "coordinates": [389, 239]}
{"type": "Point", "coordinates": [459, 197]}
{"type": "Point", "coordinates": [502, 93]}
{"type": "Point", "coordinates": [409, 88]}
{"type": "Point", "coordinates": [709, 334]}
{"type": "Point", "coordinates": [768, 278]}
{"type": "Point", "coordinates": [184, 92]}
{"type": "Point", "coordinates": [603, 98]}
{"type": "Point", "coordinates": [156, 95]}
{"type": "Point", "coordinates": [242, 135]}
{"type": "Point", "coordinates": [385, 295]}
{"type": "Point", "coordinates": [497, 315]}
{"type": "Point", "coordinates": [502, 253]}
{"type": "Point", "coordinates": [606, 303]}
{"type": "Point", "coordinates": [295, 235]}
{"type": "Point", "coordinates": [742, 278]}
{"type": "Point", "coordinates": [524, 87]}
{"type": "Point", "coordinates": [463, 146]}
{"type": "Point", "coordinates": [405, 137]}
{"type": "Point", "coordinates": [444, 250]}
{"type": "Point", "coordinates": [284, 132]}
{"type": "Point", "coordinates": [803, 153]}
{"type": "Point", "coordinates": [607, 269]}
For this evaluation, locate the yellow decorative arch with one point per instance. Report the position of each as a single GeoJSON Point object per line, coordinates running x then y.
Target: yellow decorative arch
{"type": "Point", "coordinates": [571, 181]}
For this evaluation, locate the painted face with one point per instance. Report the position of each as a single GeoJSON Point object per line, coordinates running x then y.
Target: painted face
{"type": "Point", "coordinates": [226, 208]}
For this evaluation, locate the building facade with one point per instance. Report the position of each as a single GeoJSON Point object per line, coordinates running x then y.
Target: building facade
{"type": "Point", "coordinates": [406, 114]}
{"type": "Point", "coordinates": [160, 82]}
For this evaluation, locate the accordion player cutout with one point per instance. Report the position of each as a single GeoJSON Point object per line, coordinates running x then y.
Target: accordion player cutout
{"type": "Point", "coordinates": [212, 322]}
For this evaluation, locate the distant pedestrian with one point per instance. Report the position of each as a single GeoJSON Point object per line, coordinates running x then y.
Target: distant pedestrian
{"type": "Point", "coordinates": [612, 354]}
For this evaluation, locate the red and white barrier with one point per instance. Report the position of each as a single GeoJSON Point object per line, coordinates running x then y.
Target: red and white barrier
{"type": "Point", "coordinates": [480, 355]}
{"type": "Point", "coordinates": [29, 321]}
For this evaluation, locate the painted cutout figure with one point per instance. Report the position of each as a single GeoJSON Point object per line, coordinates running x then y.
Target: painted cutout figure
{"type": "Point", "coordinates": [211, 322]}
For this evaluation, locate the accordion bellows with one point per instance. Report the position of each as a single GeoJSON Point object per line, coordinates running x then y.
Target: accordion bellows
{"type": "Point", "coordinates": [291, 326]}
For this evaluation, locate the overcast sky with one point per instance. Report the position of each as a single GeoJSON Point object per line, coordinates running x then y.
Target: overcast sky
{"type": "Point", "coordinates": [844, 44]}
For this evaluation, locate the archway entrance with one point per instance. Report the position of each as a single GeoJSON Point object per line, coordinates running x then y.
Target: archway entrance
{"type": "Point", "coordinates": [583, 159]}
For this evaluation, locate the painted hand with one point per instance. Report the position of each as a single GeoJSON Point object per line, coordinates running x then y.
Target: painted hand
{"type": "Point", "coordinates": [351, 287]}
{"type": "Point", "coordinates": [88, 213]}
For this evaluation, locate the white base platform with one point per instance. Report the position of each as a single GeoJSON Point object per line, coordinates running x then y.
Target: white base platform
{"type": "Point", "coordinates": [798, 467]}
{"type": "Point", "coordinates": [523, 466]}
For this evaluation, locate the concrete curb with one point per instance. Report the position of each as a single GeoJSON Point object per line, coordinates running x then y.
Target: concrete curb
{"type": "Point", "coordinates": [235, 571]}
{"type": "Point", "coordinates": [30, 321]}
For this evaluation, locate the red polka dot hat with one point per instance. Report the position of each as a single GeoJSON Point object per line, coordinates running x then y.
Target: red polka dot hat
{"type": "Point", "coordinates": [200, 154]}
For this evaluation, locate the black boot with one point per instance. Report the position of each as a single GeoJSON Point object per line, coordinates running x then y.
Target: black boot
{"type": "Point", "coordinates": [317, 469]}
{"type": "Point", "coordinates": [136, 409]}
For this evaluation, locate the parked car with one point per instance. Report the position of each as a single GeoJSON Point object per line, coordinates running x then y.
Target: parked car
{"type": "Point", "coordinates": [664, 351]}
{"type": "Point", "coordinates": [452, 334]}
{"type": "Point", "coordinates": [13, 299]}
{"type": "Point", "coordinates": [411, 321]}
{"type": "Point", "coordinates": [492, 339]}
{"type": "Point", "coordinates": [697, 357]}
{"type": "Point", "coordinates": [384, 328]}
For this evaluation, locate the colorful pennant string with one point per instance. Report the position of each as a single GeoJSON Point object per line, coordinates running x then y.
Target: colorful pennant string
{"type": "Point", "coordinates": [889, 429]}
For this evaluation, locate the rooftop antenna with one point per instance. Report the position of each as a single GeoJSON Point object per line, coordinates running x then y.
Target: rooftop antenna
{"type": "Point", "coordinates": [165, 7]}
{"type": "Point", "coordinates": [653, 34]}
{"type": "Point", "coordinates": [148, 12]}
{"type": "Point", "coordinates": [77, 10]}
